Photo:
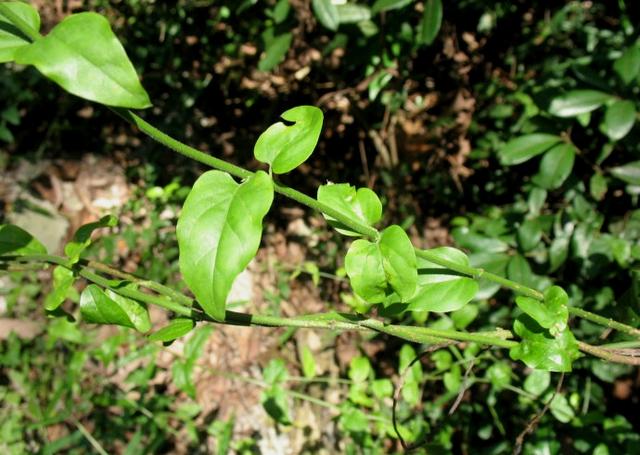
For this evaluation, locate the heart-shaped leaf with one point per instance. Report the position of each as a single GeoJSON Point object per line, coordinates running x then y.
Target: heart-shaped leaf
{"type": "Point", "coordinates": [378, 269]}
{"type": "Point", "coordinates": [284, 146]}
{"type": "Point", "coordinates": [11, 39]}
{"type": "Point", "coordinates": [82, 238]}
{"type": "Point", "coordinates": [439, 289]}
{"type": "Point", "coordinates": [576, 102]}
{"type": "Point", "coordinates": [525, 147]}
{"type": "Point", "coordinates": [362, 205]}
{"type": "Point", "coordinates": [219, 232]}
{"type": "Point", "coordinates": [84, 57]}
{"type": "Point", "coordinates": [63, 279]}
{"type": "Point", "coordinates": [175, 329]}
{"type": "Point", "coordinates": [551, 314]}
{"type": "Point", "coordinates": [542, 351]}
{"type": "Point", "coordinates": [17, 241]}
{"type": "Point", "coordinates": [98, 307]}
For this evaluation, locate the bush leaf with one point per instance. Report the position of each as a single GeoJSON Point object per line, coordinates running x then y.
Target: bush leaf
{"type": "Point", "coordinates": [629, 172]}
{"type": "Point", "coordinates": [555, 166]}
{"type": "Point", "coordinates": [362, 205]}
{"type": "Point", "coordinates": [551, 314]}
{"type": "Point", "coordinates": [17, 241]}
{"type": "Point", "coordinates": [284, 147]}
{"type": "Point", "coordinates": [63, 279]}
{"type": "Point", "coordinates": [576, 102]}
{"type": "Point", "coordinates": [542, 351]}
{"type": "Point", "coordinates": [619, 119]}
{"type": "Point", "coordinates": [326, 13]}
{"type": "Point", "coordinates": [628, 65]}
{"type": "Point", "coordinates": [276, 50]}
{"type": "Point", "coordinates": [11, 39]}
{"type": "Point", "coordinates": [388, 5]}
{"type": "Point", "coordinates": [98, 307]}
{"type": "Point", "coordinates": [82, 238]}
{"type": "Point", "coordinates": [219, 232]}
{"type": "Point", "coordinates": [439, 289]}
{"type": "Point", "coordinates": [399, 261]}
{"type": "Point", "coordinates": [364, 266]}
{"type": "Point", "coordinates": [84, 57]}
{"type": "Point", "coordinates": [175, 329]}
{"type": "Point", "coordinates": [525, 147]}
{"type": "Point", "coordinates": [431, 22]}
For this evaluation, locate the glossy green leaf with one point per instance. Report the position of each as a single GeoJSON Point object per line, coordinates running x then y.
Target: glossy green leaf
{"type": "Point", "coordinates": [399, 261]}
{"type": "Point", "coordinates": [17, 241]}
{"type": "Point", "coordinates": [63, 279]}
{"type": "Point", "coordinates": [529, 234]}
{"type": "Point", "coordinates": [561, 409]}
{"type": "Point", "coordinates": [551, 314]}
{"type": "Point", "coordinates": [388, 5]}
{"type": "Point", "coordinates": [98, 307]}
{"type": "Point", "coordinates": [362, 205]}
{"type": "Point", "coordinates": [629, 172]}
{"type": "Point", "coordinates": [519, 270]}
{"type": "Point", "coordinates": [175, 329]}
{"type": "Point", "coordinates": [441, 290]}
{"type": "Point", "coordinates": [275, 52]}
{"type": "Point", "coordinates": [351, 13]}
{"type": "Point", "coordinates": [576, 102]}
{"type": "Point", "coordinates": [285, 146]}
{"type": "Point", "coordinates": [82, 238]}
{"type": "Point", "coordinates": [364, 266]}
{"type": "Point", "coordinates": [556, 165]}
{"type": "Point", "coordinates": [96, 69]}
{"type": "Point", "coordinates": [524, 148]}
{"type": "Point", "coordinates": [628, 65]}
{"type": "Point", "coordinates": [540, 350]}
{"type": "Point", "coordinates": [326, 13]}
{"type": "Point", "coordinates": [219, 232]}
{"type": "Point", "coordinates": [11, 39]}
{"type": "Point", "coordinates": [619, 119]}
{"type": "Point", "coordinates": [431, 22]}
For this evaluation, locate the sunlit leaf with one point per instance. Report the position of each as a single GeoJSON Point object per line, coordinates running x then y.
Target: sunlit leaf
{"type": "Point", "coordinates": [619, 119]}
{"type": "Point", "coordinates": [82, 238]}
{"type": "Point", "coordinates": [98, 307]}
{"type": "Point", "coordinates": [84, 57]}
{"type": "Point", "coordinates": [11, 39]}
{"type": "Point", "coordinates": [361, 204]}
{"type": "Point", "coordinates": [175, 329]}
{"type": "Point", "coordinates": [576, 102]}
{"type": "Point", "coordinates": [556, 165]}
{"type": "Point", "coordinates": [284, 146]}
{"type": "Point", "coordinates": [629, 172]}
{"type": "Point", "coordinates": [63, 279]}
{"type": "Point", "coordinates": [326, 13]}
{"type": "Point", "coordinates": [219, 232]}
{"type": "Point", "coordinates": [524, 148]}
{"type": "Point", "coordinates": [551, 314]}
{"type": "Point", "coordinates": [17, 241]}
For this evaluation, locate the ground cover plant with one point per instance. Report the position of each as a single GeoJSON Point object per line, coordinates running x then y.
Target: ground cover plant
{"type": "Point", "coordinates": [546, 247]}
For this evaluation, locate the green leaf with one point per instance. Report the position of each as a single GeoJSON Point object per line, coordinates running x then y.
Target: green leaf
{"type": "Point", "coordinates": [439, 289]}
{"type": "Point", "coordinates": [364, 266]}
{"type": "Point", "coordinates": [11, 39]}
{"type": "Point", "coordinates": [629, 172]}
{"type": "Point", "coordinates": [274, 401]}
{"type": "Point", "coordinates": [82, 238]}
{"type": "Point", "coordinates": [388, 5]}
{"type": "Point", "coordinates": [576, 102]}
{"type": "Point", "coordinates": [284, 147]}
{"type": "Point", "coordinates": [326, 13]}
{"type": "Point", "coordinates": [551, 314]}
{"type": "Point", "coordinates": [540, 350]}
{"type": "Point", "coordinates": [17, 241]}
{"type": "Point", "coordinates": [98, 307]}
{"type": "Point", "coordinates": [628, 65]}
{"type": "Point", "coordinates": [275, 52]}
{"type": "Point", "coordinates": [561, 409]}
{"type": "Point", "coordinates": [431, 22]}
{"type": "Point", "coordinates": [359, 369]}
{"type": "Point", "coordinates": [362, 205]}
{"type": "Point", "coordinates": [351, 13]}
{"type": "Point", "coordinates": [537, 382]}
{"type": "Point", "coordinates": [219, 232]}
{"type": "Point", "coordinates": [524, 148]}
{"type": "Point", "coordinates": [63, 279]}
{"type": "Point", "coordinates": [467, 238]}
{"type": "Point", "coordinates": [556, 165]}
{"type": "Point", "coordinates": [598, 186]}
{"type": "Point", "coordinates": [275, 372]}
{"type": "Point", "coordinates": [529, 234]}
{"type": "Point", "coordinates": [499, 374]}
{"type": "Point", "coordinates": [84, 57]}
{"type": "Point", "coordinates": [399, 261]}
{"type": "Point", "coordinates": [619, 119]}
{"type": "Point", "coordinates": [175, 329]}
{"type": "Point", "coordinates": [519, 270]}
{"type": "Point", "coordinates": [308, 362]}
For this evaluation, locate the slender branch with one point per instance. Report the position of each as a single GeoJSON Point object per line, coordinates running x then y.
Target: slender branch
{"type": "Point", "coordinates": [607, 322]}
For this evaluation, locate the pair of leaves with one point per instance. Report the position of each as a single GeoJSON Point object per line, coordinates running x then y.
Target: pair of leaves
{"type": "Point", "coordinates": [361, 204]}
{"type": "Point", "coordinates": [378, 269]}
{"type": "Point", "coordinates": [95, 69]}
{"type": "Point", "coordinates": [219, 232]}
{"type": "Point", "coordinates": [552, 313]}
{"type": "Point", "coordinates": [100, 307]}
